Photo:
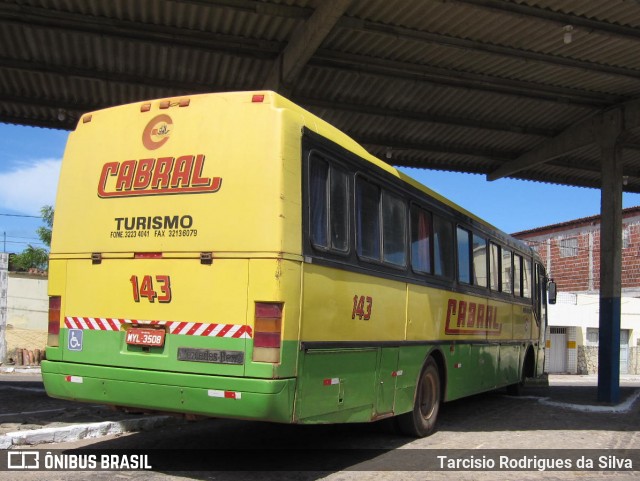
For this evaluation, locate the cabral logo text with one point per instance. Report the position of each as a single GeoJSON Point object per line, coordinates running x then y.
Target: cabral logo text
{"type": "Point", "coordinates": [470, 318]}
{"type": "Point", "coordinates": [162, 176]}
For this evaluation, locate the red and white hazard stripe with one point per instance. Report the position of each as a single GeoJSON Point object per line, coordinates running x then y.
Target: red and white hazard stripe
{"type": "Point", "coordinates": [237, 331]}
{"type": "Point", "coordinates": [224, 394]}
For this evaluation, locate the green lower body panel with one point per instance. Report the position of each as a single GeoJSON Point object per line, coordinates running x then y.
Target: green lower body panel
{"type": "Point", "coordinates": [216, 396]}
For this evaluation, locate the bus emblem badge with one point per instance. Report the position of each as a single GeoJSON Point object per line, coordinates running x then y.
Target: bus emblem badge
{"type": "Point", "coordinates": [157, 131]}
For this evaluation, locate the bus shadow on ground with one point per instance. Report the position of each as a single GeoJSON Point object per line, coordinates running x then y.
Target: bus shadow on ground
{"type": "Point", "coordinates": [573, 408]}
{"type": "Point", "coordinates": [237, 450]}
{"type": "Point", "coordinates": [224, 449]}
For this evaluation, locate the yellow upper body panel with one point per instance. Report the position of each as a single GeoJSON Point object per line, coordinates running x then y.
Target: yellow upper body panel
{"type": "Point", "coordinates": [215, 172]}
{"type": "Point", "coordinates": [207, 176]}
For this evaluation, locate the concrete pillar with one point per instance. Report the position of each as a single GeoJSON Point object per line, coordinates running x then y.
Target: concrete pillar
{"type": "Point", "coordinates": [610, 259]}
{"type": "Point", "coordinates": [572, 350]}
{"type": "Point", "coordinates": [4, 285]}
{"type": "Point", "coordinates": [592, 283]}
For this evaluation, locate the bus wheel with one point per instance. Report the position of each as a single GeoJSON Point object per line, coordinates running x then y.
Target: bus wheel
{"type": "Point", "coordinates": [527, 370]}
{"type": "Point", "coordinates": [517, 388]}
{"type": "Point", "coordinates": [421, 421]}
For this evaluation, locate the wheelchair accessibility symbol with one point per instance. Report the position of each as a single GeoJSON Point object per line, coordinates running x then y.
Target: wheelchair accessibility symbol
{"type": "Point", "coordinates": [74, 342]}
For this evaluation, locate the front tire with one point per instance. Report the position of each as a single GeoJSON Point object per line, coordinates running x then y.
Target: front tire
{"type": "Point", "coordinates": [421, 421]}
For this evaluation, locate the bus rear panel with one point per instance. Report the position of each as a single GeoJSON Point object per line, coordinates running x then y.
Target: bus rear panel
{"type": "Point", "coordinates": [171, 274]}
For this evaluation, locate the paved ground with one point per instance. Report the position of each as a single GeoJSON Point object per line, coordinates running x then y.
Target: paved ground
{"type": "Point", "coordinates": [562, 415]}
{"type": "Point", "coordinates": [28, 416]}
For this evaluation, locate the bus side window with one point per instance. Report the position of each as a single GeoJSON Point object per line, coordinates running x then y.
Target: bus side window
{"type": "Point", "coordinates": [464, 259]}
{"type": "Point", "coordinates": [507, 271]}
{"type": "Point", "coordinates": [339, 210]}
{"type": "Point", "coordinates": [526, 278]}
{"type": "Point", "coordinates": [443, 253]}
{"type": "Point", "coordinates": [367, 219]}
{"type": "Point", "coordinates": [494, 266]}
{"type": "Point", "coordinates": [421, 222]}
{"type": "Point", "coordinates": [538, 291]}
{"type": "Point", "coordinates": [479, 261]}
{"type": "Point", "coordinates": [394, 235]}
{"type": "Point", "coordinates": [328, 201]}
{"type": "Point", "coordinates": [517, 275]}
{"type": "Point", "coordinates": [318, 201]}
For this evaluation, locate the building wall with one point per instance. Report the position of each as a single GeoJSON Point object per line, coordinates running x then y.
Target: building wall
{"type": "Point", "coordinates": [578, 313]}
{"type": "Point", "coordinates": [571, 253]}
{"type": "Point", "coordinates": [27, 314]}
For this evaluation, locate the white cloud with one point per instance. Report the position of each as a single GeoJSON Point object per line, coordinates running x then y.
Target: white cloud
{"type": "Point", "coordinates": [29, 186]}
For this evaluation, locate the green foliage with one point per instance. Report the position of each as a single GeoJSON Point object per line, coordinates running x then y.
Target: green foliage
{"type": "Point", "coordinates": [45, 232]}
{"type": "Point", "coordinates": [31, 258]}
{"type": "Point", "coordinates": [36, 257]}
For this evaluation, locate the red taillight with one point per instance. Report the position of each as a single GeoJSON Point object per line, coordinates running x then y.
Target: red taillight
{"type": "Point", "coordinates": [147, 255]}
{"type": "Point", "coordinates": [257, 98]}
{"type": "Point", "coordinates": [53, 337]}
{"type": "Point", "coordinates": [267, 339]}
{"type": "Point", "coordinates": [267, 332]}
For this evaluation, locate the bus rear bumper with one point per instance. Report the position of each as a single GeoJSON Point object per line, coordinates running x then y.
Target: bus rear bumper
{"type": "Point", "coordinates": [206, 395]}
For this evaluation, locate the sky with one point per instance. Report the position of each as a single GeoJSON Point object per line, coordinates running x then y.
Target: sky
{"type": "Point", "coordinates": [30, 160]}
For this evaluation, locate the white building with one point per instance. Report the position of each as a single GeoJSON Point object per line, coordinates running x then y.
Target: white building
{"type": "Point", "coordinates": [572, 335]}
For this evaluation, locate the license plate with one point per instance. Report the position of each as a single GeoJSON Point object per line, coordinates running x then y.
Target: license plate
{"type": "Point", "coordinates": [145, 337]}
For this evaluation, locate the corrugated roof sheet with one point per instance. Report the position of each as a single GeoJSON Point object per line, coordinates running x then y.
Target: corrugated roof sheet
{"type": "Point", "coordinates": [468, 85]}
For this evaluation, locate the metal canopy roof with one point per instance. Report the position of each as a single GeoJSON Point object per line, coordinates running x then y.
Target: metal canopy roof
{"type": "Point", "coordinates": [504, 88]}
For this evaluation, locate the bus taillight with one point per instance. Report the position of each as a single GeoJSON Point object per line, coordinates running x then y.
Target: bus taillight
{"type": "Point", "coordinates": [267, 337]}
{"type": "Point", "coordinates": [54, 321]}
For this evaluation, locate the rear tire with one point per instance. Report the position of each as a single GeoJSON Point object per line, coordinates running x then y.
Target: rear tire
{"type": "Point", "coordinates": [517, 388]}
{"type": "Point", "coordinates": [421, 421]}
{"type": "Point", "coordinates": [527, 370]}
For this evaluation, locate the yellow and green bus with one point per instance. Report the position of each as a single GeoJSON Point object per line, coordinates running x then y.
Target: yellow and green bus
{"type": "Point", "coordinates": [233, 255]}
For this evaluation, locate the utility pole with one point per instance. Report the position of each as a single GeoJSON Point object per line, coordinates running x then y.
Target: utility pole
{"type": "Point", "coordinates": [4, 284]}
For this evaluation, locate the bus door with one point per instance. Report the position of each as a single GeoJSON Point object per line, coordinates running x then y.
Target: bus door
{"type": "Point", "coordinates": [540, 313]}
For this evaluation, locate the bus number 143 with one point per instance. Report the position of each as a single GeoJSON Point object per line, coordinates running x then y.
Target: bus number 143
{"type": "Point", "coordinates": [362, 307]}
{"type": "Point", "coordinates": [146, 288]}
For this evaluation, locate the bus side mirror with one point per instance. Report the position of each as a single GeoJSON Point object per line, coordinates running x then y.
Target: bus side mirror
{"type": "Point", "coordinates": [552, 293]}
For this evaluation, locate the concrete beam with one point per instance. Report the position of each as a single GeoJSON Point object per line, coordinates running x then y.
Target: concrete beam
{"type": "Point", "coordinates": [303, 44]}
{"type": "Point", "coordinates": [572, 139]}
{"type": "Point", "coordinates": [631, 115]}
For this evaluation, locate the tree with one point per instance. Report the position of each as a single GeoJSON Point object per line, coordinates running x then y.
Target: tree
{"type": "Point", "coordinates": [44, 232]}
{"type": "Point", "coordinates": [36, 257]}
{"type": "Point", "coordinates": [31, 258]}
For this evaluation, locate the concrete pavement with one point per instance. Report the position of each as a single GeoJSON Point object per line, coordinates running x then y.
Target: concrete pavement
{"type": "Point", "coordinates": [28, 416]}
